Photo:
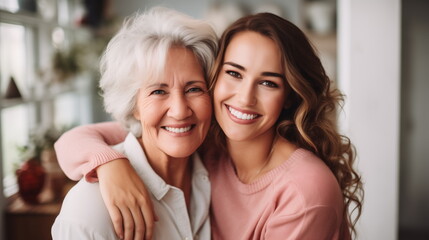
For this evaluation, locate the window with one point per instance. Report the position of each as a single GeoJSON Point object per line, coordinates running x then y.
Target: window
{"type": "Point", "coordinates": [13, 56]}
{"type": "Point", "coordinates": [14, 117]}
{"type": "Point", "coordinates": [29, 42]}
{"type": "Point", "coordinates": [14, 133]}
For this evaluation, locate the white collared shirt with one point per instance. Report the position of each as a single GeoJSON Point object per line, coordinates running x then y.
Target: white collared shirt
{"type": "Point", "coordinates": [84, 216]}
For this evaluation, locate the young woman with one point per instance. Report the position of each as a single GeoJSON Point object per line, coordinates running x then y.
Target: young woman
{"type": "Point", "coordinates": [278, 167]}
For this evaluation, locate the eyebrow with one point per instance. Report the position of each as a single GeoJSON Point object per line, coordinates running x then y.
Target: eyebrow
{"type": "Point", "coordinates": [158, 85]}
{"type": "Point", "coordinates": [187, 83]}
{"type": "Point", "coordinates": [268, 74]}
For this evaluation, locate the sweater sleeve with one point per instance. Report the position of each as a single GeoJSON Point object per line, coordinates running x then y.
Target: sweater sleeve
{"type": "Point", "coordinates": [84, 148]}
{"type": "Point", "coordinates": [318, 222]}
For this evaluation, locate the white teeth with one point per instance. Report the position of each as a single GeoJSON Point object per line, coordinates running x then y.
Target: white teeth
{"type": "Point", "coordinates": [178, 130]}
{"type": "Point", "coordinates": [240, 115]}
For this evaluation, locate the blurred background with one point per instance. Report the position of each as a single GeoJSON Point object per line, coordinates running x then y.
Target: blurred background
{"type": "Point", "coordinates": [375, 51]}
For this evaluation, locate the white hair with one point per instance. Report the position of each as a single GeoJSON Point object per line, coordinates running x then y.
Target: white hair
{"type": "Point", "coordinates": [138, 53]}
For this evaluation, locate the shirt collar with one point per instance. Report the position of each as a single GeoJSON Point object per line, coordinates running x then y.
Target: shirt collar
{"type": "Point", "coordinates": [133, 150]}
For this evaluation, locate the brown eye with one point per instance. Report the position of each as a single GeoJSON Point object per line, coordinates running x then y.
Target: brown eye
{"type": "Point", "coordinates": [269, 84]}
{"type": "Point", "coordinates": [234, 74]}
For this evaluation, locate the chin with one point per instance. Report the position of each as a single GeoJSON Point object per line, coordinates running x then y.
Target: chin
{"type": "Point", "coordinates": [236, 135]}
{"type": "Point", "coordinates": [181, 153]}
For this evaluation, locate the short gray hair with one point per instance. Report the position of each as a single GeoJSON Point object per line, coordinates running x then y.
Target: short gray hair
{"type": "Point", "coordinates": [138, 53]}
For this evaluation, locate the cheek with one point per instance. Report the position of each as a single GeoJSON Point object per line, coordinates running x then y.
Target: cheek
{"type": "Point", "coordinates": [221, 90]}
{"type": "Point", "coordinates": [148, 112]}
{"type": "Point", "coordinates": [274, 103]}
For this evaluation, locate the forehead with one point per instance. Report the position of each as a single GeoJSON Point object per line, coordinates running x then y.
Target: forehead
{"type": "Point", "coordinates": [253, 49]}
{"type": "Point", "coordinates": [178, 63]}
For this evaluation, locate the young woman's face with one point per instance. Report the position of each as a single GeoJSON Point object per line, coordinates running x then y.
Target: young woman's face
{"type": "Point", "coordinates": [250, 90]}
{"type": "Point", "coordinates": [175, 112]}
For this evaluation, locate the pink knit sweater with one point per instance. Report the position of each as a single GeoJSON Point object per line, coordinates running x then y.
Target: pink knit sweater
{"type": "Point", "coordinates": [299, 199]}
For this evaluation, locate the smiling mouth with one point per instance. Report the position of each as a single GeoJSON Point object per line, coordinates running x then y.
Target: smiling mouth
{"type": "Point", "coordinates": [179, 130]}
{"type": "Point", "coordinates": [241, 115]}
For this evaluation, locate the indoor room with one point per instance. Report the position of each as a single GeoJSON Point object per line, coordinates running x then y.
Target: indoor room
{"type": "Point", "coordinates": [375, 52]}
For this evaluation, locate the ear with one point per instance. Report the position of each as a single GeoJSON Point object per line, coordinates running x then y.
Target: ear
{"type": "Point", "coordinates": [136, 113]}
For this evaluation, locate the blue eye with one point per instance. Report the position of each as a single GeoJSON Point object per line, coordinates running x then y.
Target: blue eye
{"type": "Point", "coordinates": [158, 92]}
{"type": "Point", "coordinates": [234, 74]}
{"type": "Point", "coordinates": [194, 90]}
{"type": "Point", "coordinates": [269, 84]}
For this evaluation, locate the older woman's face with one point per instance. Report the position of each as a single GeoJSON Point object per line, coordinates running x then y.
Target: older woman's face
{"type": "Point", "coordinates": [175, 112]}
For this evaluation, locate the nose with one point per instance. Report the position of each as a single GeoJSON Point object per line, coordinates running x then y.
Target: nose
{"type": "Point", "coordinates": [246, 93]}
{"type": "Point", "coordinates": [179, 108]}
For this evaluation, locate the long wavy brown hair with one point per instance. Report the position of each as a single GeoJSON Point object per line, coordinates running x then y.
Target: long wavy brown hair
{"type": "Point", "coordinates": [309, 120]}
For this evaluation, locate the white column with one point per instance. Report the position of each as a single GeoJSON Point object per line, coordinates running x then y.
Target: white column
{"type": "Point", "coordinates": [369, 74]}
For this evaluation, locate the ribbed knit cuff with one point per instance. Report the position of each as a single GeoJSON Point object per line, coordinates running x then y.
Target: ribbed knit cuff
{"type": "Point", "coordinates": [97, 160]}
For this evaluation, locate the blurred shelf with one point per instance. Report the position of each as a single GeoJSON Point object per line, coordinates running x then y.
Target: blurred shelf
{"type": "Point", "coordinates": [326, 47]}
{"type": "Point", "coordinates": [326, 42]}
{"type": "Point", "coordinates": [47, 93]}
{"type": "Point", "coordinates": [24, 221]}
{"type": "Point", "coordinates": [18, 206]}
{"type": "Point", "coordinates": [31, 19]}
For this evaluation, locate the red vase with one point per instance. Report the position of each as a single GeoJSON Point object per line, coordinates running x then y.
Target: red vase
{"type": "Point", "coordinates": [31, 178]}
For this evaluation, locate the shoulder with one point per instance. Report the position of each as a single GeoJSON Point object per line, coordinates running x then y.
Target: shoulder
{"type": "Point", "coordinates": [83, 212]}
{"type": "Point", "coordinates": [308, 197]}
{"type": "Point", "coordinates": [307, 176]}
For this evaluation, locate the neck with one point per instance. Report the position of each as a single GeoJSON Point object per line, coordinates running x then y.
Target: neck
{"type": "Point", "coordinates": [251, 158]}
{"type": "Point", "coordinates": [174, 171]}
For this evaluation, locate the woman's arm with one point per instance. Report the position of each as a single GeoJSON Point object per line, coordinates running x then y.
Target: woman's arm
{"type": "Point", "coordinates": [85, 151]}
{"type": "Point", "coordinates": [81, 150]}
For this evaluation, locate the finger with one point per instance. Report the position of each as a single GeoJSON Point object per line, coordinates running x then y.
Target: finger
{"type": "Point", "coordinates": [116, 217]}
{"type": "Point", "coordinates": [148, 215]}
{"type": "Point", "coordinates": [128, 224]}
{"type": "Point", "coordinates": [139, 227]}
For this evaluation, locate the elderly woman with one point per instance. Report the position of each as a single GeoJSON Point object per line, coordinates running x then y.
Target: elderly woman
{"type": "Point", "coordinates": [153, 77]}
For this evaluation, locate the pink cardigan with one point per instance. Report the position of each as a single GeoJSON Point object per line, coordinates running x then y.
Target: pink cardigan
{"type": "Point", "coordinates": [299, 199]}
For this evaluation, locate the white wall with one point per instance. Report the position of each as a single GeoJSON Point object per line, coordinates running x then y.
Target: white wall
{"type": "Point", "coordinates": [369, 74]}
